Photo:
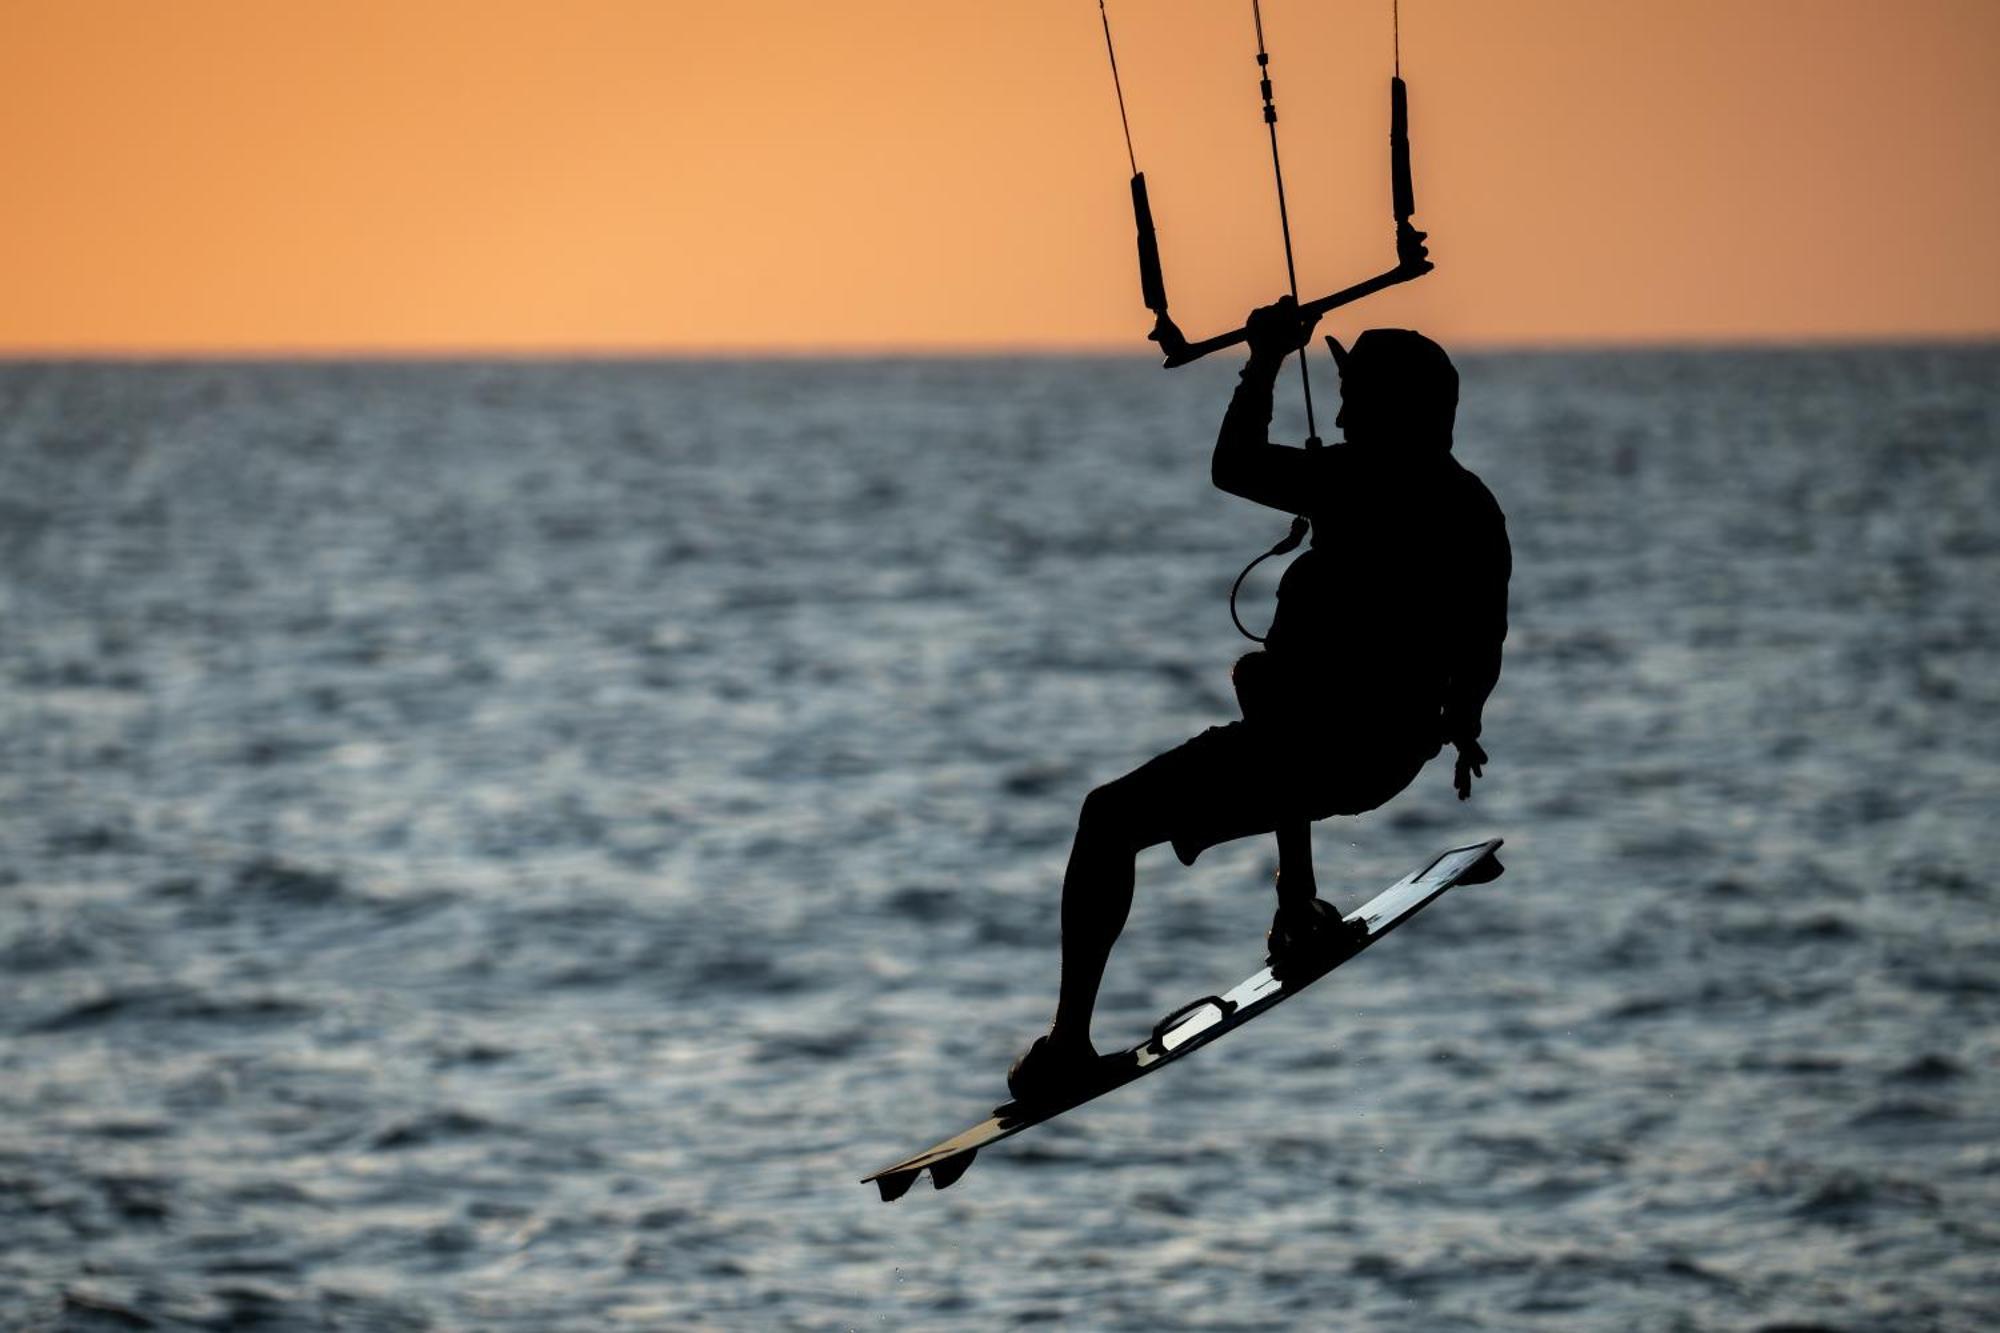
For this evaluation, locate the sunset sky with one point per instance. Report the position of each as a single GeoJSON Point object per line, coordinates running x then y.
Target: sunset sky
{"type": "Point", "coordinates": [930, 175]}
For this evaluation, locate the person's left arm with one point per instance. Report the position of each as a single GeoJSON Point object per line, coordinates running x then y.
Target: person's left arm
{"type": "Point", "coordinates": [1487, 563]}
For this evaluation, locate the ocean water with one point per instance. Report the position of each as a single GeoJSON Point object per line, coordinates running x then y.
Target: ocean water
{"type": "Point", "coordinates": [508, 846]}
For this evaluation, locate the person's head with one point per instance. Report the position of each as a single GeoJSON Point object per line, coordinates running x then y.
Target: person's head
{"type": "Point", "coordinates": [1396, 386]}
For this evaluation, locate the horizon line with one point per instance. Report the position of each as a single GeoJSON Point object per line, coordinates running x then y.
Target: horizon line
{"type": "Point", "coordinates": [888, 351]}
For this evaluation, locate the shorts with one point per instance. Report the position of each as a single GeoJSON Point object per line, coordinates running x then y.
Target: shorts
{"type": "Point", "coordinates": [1248, 778]}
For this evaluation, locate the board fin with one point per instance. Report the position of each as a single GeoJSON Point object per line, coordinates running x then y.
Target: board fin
{"type": "Point", "coordinates": [895, 1184]}
{"type": "Point", "coordinates": [951, 1168]}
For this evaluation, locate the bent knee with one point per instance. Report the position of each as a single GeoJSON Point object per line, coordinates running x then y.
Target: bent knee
{"type": "Point", "coordinates": [1105, 810]}
{"type": "Point", "coordinates": [1115, 816]}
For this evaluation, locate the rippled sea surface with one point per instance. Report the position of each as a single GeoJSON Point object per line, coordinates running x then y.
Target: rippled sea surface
{"type": "Point", "coordinates": [509, 846]}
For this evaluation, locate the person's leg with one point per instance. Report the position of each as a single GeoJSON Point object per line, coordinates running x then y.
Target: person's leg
{"type": "Point", "coordinates": [1096, 899]}
{"type": "Point", "coordinates": [1296, 885]}
{"type": "Point", "coordinates": [1303, 925]}
{"type": "Point", "coordinates": [1210, 790]}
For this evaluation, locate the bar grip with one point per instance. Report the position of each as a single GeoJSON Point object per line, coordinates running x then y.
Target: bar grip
{"type": "Point", "coordinates": [1404, 195]}
{"type": "Point", "coordinates": [1151, 281]}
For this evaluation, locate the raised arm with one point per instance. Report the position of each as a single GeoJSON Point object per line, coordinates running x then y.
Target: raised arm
{"type": "Point", "coordinates": [1245, 462]}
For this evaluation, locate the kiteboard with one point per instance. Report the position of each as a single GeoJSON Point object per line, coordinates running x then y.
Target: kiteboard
{"type": "Point", "coordinates": [1194, 1025]}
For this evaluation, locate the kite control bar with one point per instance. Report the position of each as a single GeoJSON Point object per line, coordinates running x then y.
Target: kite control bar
{"type": "Point", "coordinates": [1180, 351]}
{"type": "Point", "coordinates": [1412, 257]}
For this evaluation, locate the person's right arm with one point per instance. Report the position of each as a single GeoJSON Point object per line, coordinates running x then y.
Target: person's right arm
{"type": "Point", "coordinates": [1245, 462]}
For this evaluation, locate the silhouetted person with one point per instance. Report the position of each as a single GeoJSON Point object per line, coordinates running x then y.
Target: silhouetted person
{"type": "Point", "coordinates": [1386, 643]}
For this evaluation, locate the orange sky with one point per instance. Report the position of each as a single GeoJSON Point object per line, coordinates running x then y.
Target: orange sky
{"type": "Point", "coordinates": [776, 175]}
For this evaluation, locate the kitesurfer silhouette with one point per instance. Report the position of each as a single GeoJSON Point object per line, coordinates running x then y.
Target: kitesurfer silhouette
{"type": "Point", "coordinates": [1386, 643]}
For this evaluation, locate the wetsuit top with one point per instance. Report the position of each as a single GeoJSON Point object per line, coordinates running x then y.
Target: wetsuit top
{"type": "Point", "coordinates": [1397, 612]}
